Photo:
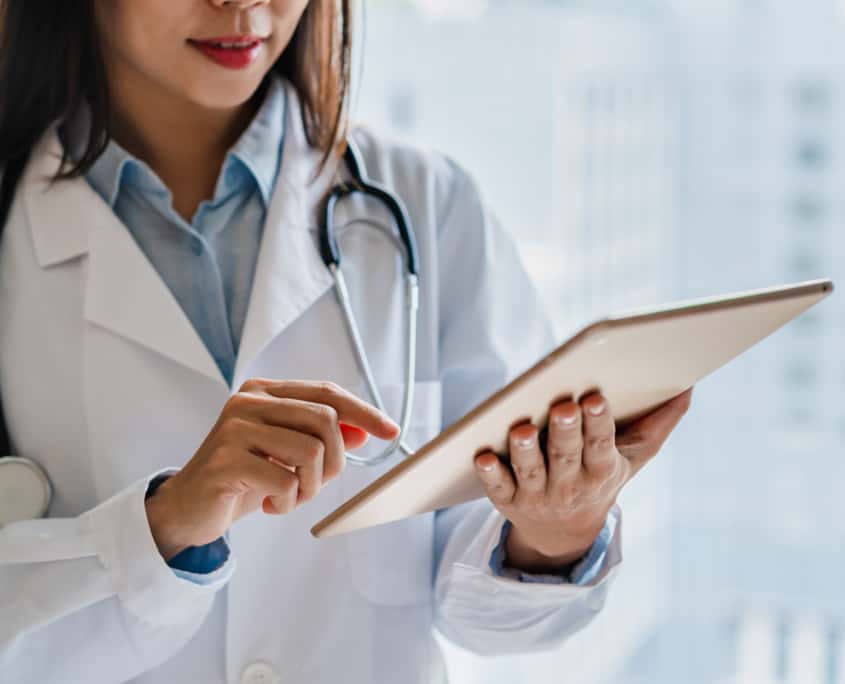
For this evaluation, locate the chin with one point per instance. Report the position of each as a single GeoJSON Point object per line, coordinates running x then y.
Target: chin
{"type": "Point", "coordinates": [223, 93]}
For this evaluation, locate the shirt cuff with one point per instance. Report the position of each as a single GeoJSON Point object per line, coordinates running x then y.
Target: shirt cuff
{"type": "Point", "coordinates": [199, 564]}
{"type": "Point", "coordinates": [581, 573]}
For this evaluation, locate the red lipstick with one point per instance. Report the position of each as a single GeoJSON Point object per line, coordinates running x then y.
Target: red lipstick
{"type": "Point", "coordinates": [232, 52]}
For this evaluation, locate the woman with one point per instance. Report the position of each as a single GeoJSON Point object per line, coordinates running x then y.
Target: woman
{"type": "Point", "coordinates": [171, 354]}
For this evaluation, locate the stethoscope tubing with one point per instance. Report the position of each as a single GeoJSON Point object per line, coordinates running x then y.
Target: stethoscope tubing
{"type": "Point", "coordinates": [412, 307]}
{"type": "Point", "coordinates": [331, 253]}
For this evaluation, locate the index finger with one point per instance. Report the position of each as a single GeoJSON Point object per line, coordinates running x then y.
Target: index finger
{"type": "Point", "coordinates": [350, 409]}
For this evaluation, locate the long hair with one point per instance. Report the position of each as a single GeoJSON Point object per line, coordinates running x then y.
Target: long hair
{"type": "Point", "coordinates": [51, 59]}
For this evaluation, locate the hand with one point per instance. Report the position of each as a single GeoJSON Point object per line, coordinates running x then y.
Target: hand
{"type": "Point", "coordinates": [275, 443]}
{"type": "Point", "coordinates": [558, 505]}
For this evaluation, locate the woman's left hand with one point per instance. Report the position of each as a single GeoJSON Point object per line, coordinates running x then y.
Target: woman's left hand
{"type": "Point", "coordinates": [559, 504]}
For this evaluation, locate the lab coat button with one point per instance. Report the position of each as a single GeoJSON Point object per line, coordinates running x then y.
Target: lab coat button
{"type": "Point", "coordinates": [260, 673]}
{"type": "Point", "coordinates": [196, 246]}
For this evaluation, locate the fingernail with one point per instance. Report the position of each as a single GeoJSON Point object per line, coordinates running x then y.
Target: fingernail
{"type": "Point", "coordinates": [487, 468]}
{"type": "Point", "coordinates": [565, 420]}
{"type": "Point", "coordinates": [525, 442]}
{"type": "Point", "coordinates": [597, 410]}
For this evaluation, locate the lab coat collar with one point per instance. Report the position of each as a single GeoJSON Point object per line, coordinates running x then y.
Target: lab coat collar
{"type": "Point", "coordinates": [125, 294]}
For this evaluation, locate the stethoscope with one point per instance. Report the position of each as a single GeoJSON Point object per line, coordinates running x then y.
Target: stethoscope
{"type": "Point", "coordinates": [331, 254]}
{"type": "Point", "coordinates": [25, 489]}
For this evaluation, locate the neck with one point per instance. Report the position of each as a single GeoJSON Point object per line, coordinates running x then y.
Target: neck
{"type": "Point", "coordinates": [183, 142]}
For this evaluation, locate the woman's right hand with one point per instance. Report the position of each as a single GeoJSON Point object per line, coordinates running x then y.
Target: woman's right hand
{"type": "Point", "coordinates": [275, 444]}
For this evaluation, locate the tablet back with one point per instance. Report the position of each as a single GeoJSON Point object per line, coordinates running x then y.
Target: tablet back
{"type": "Point", "coordinates": [638, 360]}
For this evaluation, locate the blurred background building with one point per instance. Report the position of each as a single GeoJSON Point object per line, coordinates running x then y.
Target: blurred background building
{"type": "Point", "coordinates": [642, 151]}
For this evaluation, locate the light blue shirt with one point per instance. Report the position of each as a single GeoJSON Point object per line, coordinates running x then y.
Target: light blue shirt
{"type": "Point", "coordinates": [209, 263]}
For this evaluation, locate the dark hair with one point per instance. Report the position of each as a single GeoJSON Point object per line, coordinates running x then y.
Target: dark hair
{"type": "Point", "coordinates": [50, 60]}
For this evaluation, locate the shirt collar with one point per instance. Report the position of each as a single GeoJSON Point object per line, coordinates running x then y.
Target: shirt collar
{"type": "Point", "coordinates": [258, 150]}
{"type": "Point", "coordinates": [106, 173]}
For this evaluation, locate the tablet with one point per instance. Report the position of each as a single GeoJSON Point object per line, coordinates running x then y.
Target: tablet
{"type": "Point", "coordinates": [638, 360]}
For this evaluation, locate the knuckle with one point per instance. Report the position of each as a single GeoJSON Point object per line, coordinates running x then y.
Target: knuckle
{"type": "Point", "coordinates": [289, 485]}
{"type": "Point", "coordinates": [251, 384]}
{"type": "Point", "coordinates": [238, 402]}
{"type": "Point", "coordinates": [326, 415]}
{"type": "Point", "coordinates": [567, 456]}
{"type": "Point", "coordinates": [314, 450]}
{"type": "Point", "coordinates": [603, 468]}
{"type": "Point", "coordinates": [217, 463]}
{"type": "Point", "coordinates": [530, 473]}
{"type": "Point", "coordinates": [603, 442]}
{"type": "Point", "coordinates": [329, 388]}
{"type": "Point", "coordinates": [570, 459]}
{"type": "Point", "coordinates": [498, 492]}
{"type": "Point", "coordinates": [233, 428]}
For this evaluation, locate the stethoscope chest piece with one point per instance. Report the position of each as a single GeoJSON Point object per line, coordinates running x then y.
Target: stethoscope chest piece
{"type": "Point", "coordinates": [25, 490]}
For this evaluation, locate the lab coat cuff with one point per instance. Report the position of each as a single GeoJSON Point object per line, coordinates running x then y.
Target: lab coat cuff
{"type": "Point", "coordinates": [593, 564]}
{"type": "Point", "coordinates": [594, 569]}
{"type": "Point", "coordinates": [144, 583]}
{"type": "Point", "coordinates": [581, 572]}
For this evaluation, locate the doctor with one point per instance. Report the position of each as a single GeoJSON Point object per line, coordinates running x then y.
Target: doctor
{"type": "Point", "coordinates": [172, 354]}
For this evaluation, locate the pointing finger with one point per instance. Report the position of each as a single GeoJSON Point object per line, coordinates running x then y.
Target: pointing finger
{"type": "Point", "coordinates": [350, 409]}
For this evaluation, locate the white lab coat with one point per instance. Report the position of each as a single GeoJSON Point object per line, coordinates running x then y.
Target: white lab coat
{"type": "Point", "coordinates": [105, 383]}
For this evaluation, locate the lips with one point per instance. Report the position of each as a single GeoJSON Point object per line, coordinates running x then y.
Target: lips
{"type": "Point", "coordinates": [232, 52]}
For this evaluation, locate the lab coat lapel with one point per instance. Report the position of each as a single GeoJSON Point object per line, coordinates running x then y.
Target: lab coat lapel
{"type": "Point", "coordinates": [290, 274]}
{"type": "Point", "coordinates": [123, 291]}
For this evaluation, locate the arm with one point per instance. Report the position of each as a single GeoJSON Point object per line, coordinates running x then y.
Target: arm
{"type": "Point", "coordinates": [91, 598]}
{"type": "Point", "coordinates": [485, 296]}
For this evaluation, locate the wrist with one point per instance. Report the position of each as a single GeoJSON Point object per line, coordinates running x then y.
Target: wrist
{"type": "Point", "coordinates": [161, 521]}
{"type": "Point", "coordinates": [532, 554]}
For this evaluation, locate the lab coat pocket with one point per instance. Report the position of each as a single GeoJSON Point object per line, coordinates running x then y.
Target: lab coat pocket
{"type": "Point", "coordinates": [391, 564]}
